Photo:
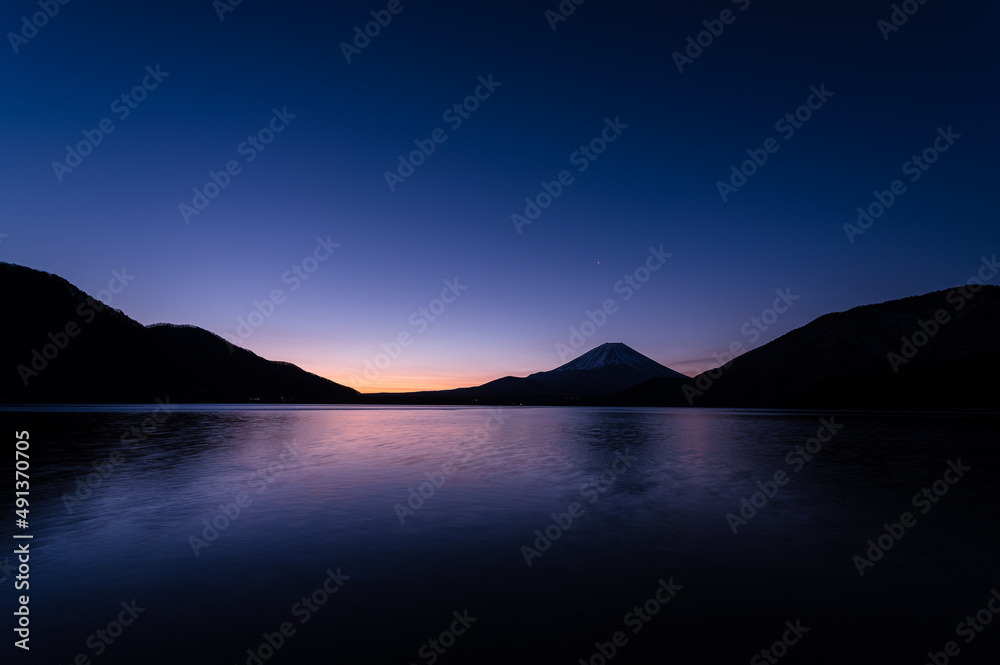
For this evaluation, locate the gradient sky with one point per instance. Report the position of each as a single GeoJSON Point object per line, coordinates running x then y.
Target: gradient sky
{"type": "Point", "coordinates": [323, 175]}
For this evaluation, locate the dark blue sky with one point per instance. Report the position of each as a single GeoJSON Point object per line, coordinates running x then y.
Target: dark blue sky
{"type": "Point", "coordinates": [323, 175]}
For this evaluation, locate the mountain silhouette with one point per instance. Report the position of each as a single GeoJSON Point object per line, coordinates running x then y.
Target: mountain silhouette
{"type": "Point", "coordinates": [937, 350]}
{"type": "Point", "coordinates": [934, 351]}
{"type": "Point", "coordinates": [69, 347]}
{"type": "Point", "coordinates": [592, 378]}
{"type": "Point", "coordinates": [606, 369]}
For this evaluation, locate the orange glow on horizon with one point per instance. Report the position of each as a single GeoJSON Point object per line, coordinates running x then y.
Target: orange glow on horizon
{"type": "Point", "coordinates": [408, 383]}
{"type": "Point", "coordinates": [402, 383]}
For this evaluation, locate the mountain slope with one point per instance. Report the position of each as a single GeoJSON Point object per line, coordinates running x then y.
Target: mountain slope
{"type": "Point", "coordinates": [68, 347]}
{"type": "Point", "coordinates": [843, 359]}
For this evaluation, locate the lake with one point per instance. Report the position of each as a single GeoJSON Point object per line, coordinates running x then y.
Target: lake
{"type": "Point", "coordinates": [231, 535]}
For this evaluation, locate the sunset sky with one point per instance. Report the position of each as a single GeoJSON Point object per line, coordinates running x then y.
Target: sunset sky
{"type": "Point", "coordinates": [308, 138]}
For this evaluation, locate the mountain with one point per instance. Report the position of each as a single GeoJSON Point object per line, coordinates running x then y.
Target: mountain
{"type": "Point", "coordinates": [591, 379]}
{"type": "Point", "coordinates": [609, 368]}
{"type": "Point", "coordinates": [64, 346]}
{"type": "Point", "coordinates": [937, 350]}
{"type": "Point", "coordinates": [932, 351]}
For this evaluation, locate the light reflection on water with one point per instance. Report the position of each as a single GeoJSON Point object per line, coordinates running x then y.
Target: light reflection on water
{"type": "Point", "coordinates": [327, 487]}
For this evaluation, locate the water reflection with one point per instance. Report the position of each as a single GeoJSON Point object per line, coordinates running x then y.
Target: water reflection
{"type": "Point", "coordinates": [317, 488]}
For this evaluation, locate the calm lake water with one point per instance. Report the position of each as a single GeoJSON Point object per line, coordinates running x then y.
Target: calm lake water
{"type": "Point", "coordinates": [421, 522]}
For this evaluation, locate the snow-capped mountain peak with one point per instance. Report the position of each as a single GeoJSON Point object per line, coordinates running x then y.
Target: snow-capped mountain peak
{"type": "Point", "coordinates": [615, 353]}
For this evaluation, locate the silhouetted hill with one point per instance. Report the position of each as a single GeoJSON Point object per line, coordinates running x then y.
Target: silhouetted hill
{"type": "Point", "coordinates": [65, 346]}
{"type": "Point", "coordinates": [843, 360]}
